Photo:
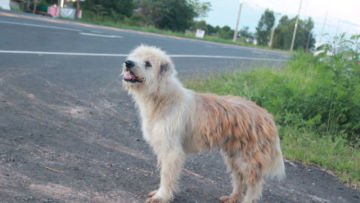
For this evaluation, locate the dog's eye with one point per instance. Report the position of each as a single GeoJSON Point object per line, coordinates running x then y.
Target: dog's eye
{"type": "Point", "coordinates": [147, 64]}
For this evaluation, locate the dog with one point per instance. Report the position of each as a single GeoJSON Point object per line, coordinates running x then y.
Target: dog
{"type": "Point", "coordinates": [177, 121]}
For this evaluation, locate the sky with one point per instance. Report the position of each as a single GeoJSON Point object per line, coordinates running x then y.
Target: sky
{"type": "Point", "coordinates": [330, 16]}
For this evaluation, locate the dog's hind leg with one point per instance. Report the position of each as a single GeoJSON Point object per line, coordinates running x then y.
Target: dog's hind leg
{"type": "Point", "coordinates": [237, 178]}
{"type": "Point", "coordinates": [253, 192]}
{"type": "Point", "coordinates": [254, 180]}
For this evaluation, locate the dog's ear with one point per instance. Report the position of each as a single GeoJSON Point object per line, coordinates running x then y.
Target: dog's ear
{"type": "Point", "coordinates": [164, 67]}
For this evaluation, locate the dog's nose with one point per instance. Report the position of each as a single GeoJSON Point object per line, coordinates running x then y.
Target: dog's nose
{"type": "Point", "coordinates": [129, 64]}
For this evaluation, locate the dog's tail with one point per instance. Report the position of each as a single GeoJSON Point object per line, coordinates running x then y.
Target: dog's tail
{"type": "Point", "coordinates": [277, 167]}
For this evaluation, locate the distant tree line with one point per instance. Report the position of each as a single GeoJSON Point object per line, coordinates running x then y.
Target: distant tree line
{"type": "Point", "coordinates": [282, 32]}
{"type": "Point", "coordinates": [181, 15]}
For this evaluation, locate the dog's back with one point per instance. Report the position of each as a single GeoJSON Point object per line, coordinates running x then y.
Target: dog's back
{"type": "Point", "coordinates": [245, 133]}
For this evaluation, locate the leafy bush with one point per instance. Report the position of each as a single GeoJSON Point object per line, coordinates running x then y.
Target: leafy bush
{"type": "Point", "coordinates": [112, 9]}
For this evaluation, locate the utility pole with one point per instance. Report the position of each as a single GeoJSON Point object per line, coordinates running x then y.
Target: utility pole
{"type": "Point", "coordinates": [295, 27]}
{"type": "Point", "coordinates": [272, 36]}
{"type": "Point", "coordinates": [77, 9]}
{"type": "Point", "coordinates": [308, 40]}
{"type": "Point", "coordinates": [61, 3]}
{"type": "Point", "coordinates": [27, 5]}
{"type": "Point", "coordinates": [237, 23]}
{"type": "Point", "coordinates": [35, 5]}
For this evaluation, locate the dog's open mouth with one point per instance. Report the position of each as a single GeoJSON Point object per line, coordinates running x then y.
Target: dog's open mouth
{"type": "Point", "coordinates": [131, 77]}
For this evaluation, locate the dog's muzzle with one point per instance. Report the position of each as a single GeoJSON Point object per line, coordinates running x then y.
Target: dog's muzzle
{"type": "Point", "coordinates": [129, 75]}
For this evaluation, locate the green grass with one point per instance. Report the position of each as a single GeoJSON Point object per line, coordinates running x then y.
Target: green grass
{"type": "Point", "coordinates": [333, 155]}
{"type": "Point", "coordinates": [317, 110]}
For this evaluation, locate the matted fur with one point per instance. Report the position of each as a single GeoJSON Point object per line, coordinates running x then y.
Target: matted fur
{"type": "Point", "coordinates": [177, 121]}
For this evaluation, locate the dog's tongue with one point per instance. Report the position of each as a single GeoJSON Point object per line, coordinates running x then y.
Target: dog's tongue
{"type": "Point", "coordinates": [129, 76]}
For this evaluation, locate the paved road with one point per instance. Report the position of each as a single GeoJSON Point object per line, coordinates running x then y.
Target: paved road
{"type": "Point", "coordinates": [68, 133]}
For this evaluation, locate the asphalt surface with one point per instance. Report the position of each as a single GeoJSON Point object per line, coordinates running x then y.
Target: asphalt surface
{"type": "Point", "coordinates": [69, 133]}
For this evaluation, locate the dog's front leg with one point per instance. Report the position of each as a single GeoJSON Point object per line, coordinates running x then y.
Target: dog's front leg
{"type": "Point", "coordinates": [171, 162]}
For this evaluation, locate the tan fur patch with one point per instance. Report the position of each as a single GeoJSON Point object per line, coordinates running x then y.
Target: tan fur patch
{"type": "Point", "coordinates": [240, 128]}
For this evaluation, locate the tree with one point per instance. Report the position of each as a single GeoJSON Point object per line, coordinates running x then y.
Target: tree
{"type": "Point", "coordinates": [114, 9]}
{"type": "Point", "coordinates": [211, 30]}
{"type": "Point", "coordinates": [283, 33]}
{"type": "Point", "coordinates": [246, 35]}
{"type": "Point", "coordinates": [263, 30]}
{"type": "Point", "coordinates": [176, 15]}
{"type": "Point", "coordinates": [226, 32]}
{"type": "Point", "coordinates": [200, 25]}
{"type": "Point", "coordinates": [201, 8]}
{"type": "Point", "coordinates": [304, 36]}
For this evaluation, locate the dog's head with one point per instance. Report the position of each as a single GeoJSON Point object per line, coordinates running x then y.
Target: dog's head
{"type": "Point", "coordinates": [147, 68]}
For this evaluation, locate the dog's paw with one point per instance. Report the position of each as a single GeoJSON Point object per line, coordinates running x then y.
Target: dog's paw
{"type": "Point", "coordinates": [154, 199]}
{"type": "Point", "coordinates": [228, 199]}
{"type": "Point", "coordinates": [152, 193]}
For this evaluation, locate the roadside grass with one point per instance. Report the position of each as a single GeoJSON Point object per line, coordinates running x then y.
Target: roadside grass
{"type": "Point", "coordinates": [305, 98]}
{"type": "Point", "coordinates": [151, 29]}
{"type": "Point", "coordinates": [333, 155]}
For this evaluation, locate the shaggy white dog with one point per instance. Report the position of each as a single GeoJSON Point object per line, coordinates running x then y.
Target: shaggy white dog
{"type": "Point", "coordinates": [177, 121]}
